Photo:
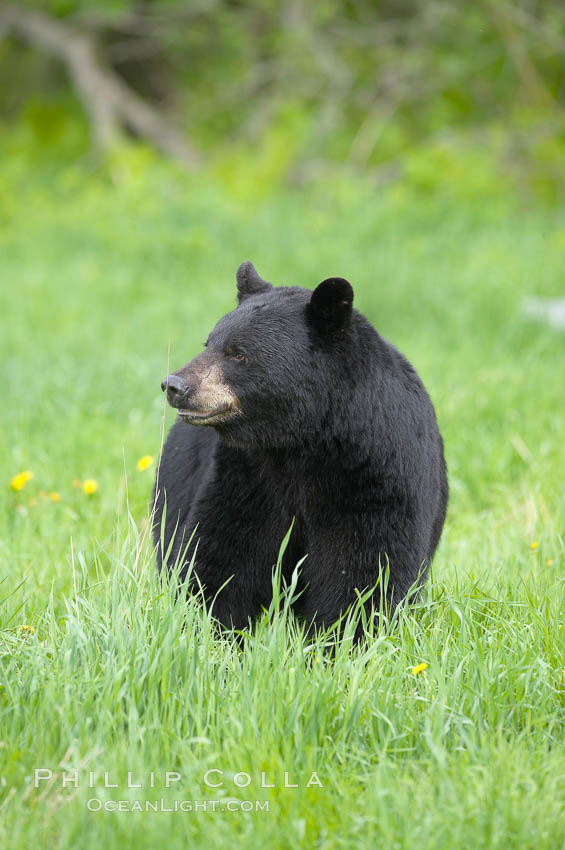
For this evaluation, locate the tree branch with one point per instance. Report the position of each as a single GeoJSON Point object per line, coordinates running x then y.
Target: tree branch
{"type": "Point", "coordinates": [109, 101]}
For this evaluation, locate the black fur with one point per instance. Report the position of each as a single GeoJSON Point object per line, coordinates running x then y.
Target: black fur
{"type": "Point", "coordinates": [333, 428]}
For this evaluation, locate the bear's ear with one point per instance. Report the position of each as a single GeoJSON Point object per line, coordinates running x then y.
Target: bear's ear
{"type": "Point", "coordinates": [330, 307]}
{"type": "Point", "coordinates": [249, 282]}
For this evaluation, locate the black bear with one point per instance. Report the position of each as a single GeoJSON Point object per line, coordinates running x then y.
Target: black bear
{"type": "Point", "coordinates": [312, 419]}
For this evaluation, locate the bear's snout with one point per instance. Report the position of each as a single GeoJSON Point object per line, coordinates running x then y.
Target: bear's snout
{"type": "Point", "coordinates": [177, 390]}
{"type": "Point", "coordinates": [198, 391]}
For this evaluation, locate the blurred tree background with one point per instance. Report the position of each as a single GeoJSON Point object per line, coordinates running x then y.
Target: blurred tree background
{"type": "Point", "coordinates": [428, 91]}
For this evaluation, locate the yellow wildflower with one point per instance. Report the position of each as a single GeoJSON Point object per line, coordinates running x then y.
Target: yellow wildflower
{"type": "Point", "coordinates": [534, 545]}
{"type": "Point", "coordinates": [550, 562]}
{"type": "Point", "coordinates": [54, 496]}
{"type": "Point", "coordinates": [90, 486]}
{"type": "Point", "coordinates": [29, 629]}
{"type": "Point", "coordinates": [144, 462]}
{"type": "Point", "coordinates": [419, 668]}
{"type": "Point", "coordinates": [20, 480]}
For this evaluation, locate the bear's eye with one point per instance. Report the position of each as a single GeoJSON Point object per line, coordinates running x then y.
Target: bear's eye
{"type": "Point", "coordinates": [234, 354]}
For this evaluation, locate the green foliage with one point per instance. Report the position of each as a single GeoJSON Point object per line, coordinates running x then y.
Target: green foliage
{"type": "Point", "coordinates": [365, 83]}
{"type": "Point", "coordinates": [108, 279]}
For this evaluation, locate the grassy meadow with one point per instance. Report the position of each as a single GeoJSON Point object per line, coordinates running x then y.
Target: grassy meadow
{"type": "Point", "coordinates": [106, 279]}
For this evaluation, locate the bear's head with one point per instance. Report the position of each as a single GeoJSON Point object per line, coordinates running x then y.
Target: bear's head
{"type": "Point", "coordinates": [270, 367]}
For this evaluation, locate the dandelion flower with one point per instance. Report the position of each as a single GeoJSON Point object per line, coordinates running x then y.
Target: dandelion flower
{"type": "Point", "coordinates": [29, 629]}
{"type": "Point", "coordinates": [20, 480]}
{"type": "Point", "coordinates": [54, 496]}
{"type": "Point", "coordinates": [90, 486]}
{"type": "Point", "coordinates": [144, 462]}
{"type": "Point", "coordinates": [534, 545]}
{"type": "Point", "coordinates": [550, 562]}
{"type": "Point", "coordinates": [419, 668]}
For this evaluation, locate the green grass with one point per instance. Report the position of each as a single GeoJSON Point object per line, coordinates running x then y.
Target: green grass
{"type": "Point", "coordinates": [99, 278]}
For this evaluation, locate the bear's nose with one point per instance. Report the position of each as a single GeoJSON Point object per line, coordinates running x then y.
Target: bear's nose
{"type": "Point", "coordinates": [176, 389]}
